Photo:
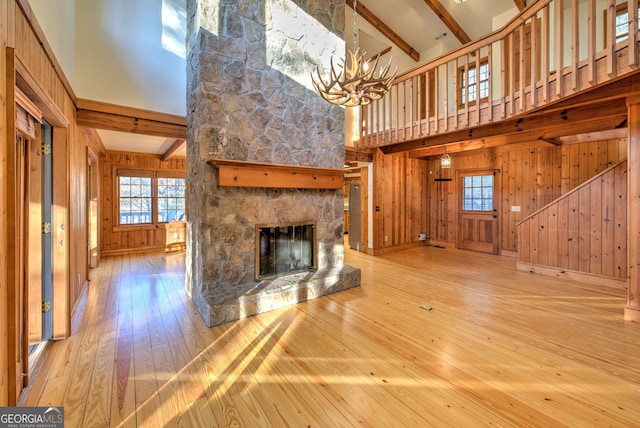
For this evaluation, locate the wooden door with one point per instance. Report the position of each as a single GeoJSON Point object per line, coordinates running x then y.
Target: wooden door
{"type": "Point", "coordinates": [478, 213]}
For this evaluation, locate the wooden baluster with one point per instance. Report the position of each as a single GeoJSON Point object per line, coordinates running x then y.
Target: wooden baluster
{"type": "Point", "coordinates": [461, 84]}
{"type": "Point", "coordinates": [512, 74]}
{"type": "Point", "coordinates": [370, 125]}
{"type": "Point", "coordinates": [397, 86]}
{"type": "Point", "coordinates": [575, 43]}
{"type": "Point", "coordinates": [419, 97]}
{"type": "Point", "coordinates": [411, 108]}
{"type": "Point", "coordinates": [427, 102]}
{"type": "Point", "coordinates": [404, 109]}
{"type": "Point", "coordinates": [477, 88]}
{"type": "Point", "coordinates": [544, 35]}
{"type": "Point", "coordinates": [445, 94]}
{"type": "Point", "coordinates": [559, 46]}
{"type": "Point", "coordinates": [503, 76]}
{"type": "Point", "coordinates": [534, 61]}
{"type": "Point", "coordinates": [591, 32]}
{"type": "Point", "coordinates": [491, 86]}
{"type": "Point", "coordinates": [385, 139]}
{"type": "Point", "coordinates": [436, 107]}
{"type": "Point", "coordinates": [610, 31]}
{"type": "Point", "coordinates": [522, 70]}
{"type": "Point", "coordinates": [379, 130]}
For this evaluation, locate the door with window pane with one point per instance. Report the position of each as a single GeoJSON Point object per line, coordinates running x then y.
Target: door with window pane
{"type": "Point", "coordinates": [478, 213]}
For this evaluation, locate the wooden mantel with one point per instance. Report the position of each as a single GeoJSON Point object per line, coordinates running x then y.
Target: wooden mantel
{"type": "Point", "coordinates": [232, 173]}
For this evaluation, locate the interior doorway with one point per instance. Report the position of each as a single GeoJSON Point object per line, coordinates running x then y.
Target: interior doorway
{"type": "Point", "coordinates": [35, 251]}
{"type": "Point", "coordinates": [93, 253]}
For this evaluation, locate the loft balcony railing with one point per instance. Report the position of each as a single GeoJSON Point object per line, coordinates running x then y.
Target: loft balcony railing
{"type": "Point", "coordinates": [552, 50]}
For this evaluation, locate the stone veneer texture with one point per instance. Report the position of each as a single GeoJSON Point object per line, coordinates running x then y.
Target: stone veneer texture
{"type": "Point", "coordinates": [250, 99]}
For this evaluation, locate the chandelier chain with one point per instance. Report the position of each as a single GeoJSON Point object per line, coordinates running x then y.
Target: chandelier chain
{"type": "Point", "coordinates": [355, 34]}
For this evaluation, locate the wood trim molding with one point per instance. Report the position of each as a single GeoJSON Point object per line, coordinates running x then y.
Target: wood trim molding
{"type": "Point", "coordinates": [581, 277]}
{"type": "Point", "coordinates": [30, 86]}
{"type": "Point", "coordinates": [23, 101]}
{"type": "Point", "coordinates": [249, 174]}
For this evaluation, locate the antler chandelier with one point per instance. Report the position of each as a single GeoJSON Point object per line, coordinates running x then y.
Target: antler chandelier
{"type": "Point", "coordinates": [357, 82]}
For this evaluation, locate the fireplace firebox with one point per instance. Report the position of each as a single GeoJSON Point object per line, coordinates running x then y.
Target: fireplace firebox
{"type": "Point", "coordinates": [284, 248]}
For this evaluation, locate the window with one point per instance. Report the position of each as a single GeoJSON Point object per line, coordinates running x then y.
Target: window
{"type": "Point", "coordinates": [171, 202]}
{"type": "Point", "coordinates": [477, 193]}
{"type": "Point", "coordinates": [474, 79]}
{"type": "Point", "coordinates": [149, 197]}
{"type": "Point", "coordinates": [135, 199]}
{"type": "Point", "coordinates": [621, 23]}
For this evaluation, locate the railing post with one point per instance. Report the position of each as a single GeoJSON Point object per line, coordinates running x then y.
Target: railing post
{"type": "Point", "coordinates": [632, 310]}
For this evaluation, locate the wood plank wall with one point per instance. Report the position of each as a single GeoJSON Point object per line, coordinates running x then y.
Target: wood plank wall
{"type": "Point", "coordinates": [583, 231]}
{"type": "Point", "coordinates": [400, 201]}
{"type": "Point", "coordinates": [40, 76]}
{"type": "Point", "coordinates": [531, 176]}
{"type": "Point", "coordinates": [114, 239]}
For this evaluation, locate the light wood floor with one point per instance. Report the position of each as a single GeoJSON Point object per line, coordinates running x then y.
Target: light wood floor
{"type": "Point", "coordinates": [499, 347]}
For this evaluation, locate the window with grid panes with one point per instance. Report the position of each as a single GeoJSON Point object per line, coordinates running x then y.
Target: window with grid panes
{"type": "Point", "coordinates": [477, 193]}
{"type": "Point", "coordinates": [474, 79]}
{"type": "Point", "coordinates": [171, 200]}
{"type": "Point", "coordinates": [149, 197]}
{"type": "Point", "coordinates": [135, 197]}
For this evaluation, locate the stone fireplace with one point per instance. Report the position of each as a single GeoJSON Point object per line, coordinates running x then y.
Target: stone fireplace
{"type": "Point", "coordinates": [264, 151]}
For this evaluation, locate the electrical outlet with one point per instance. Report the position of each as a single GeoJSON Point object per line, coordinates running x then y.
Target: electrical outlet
{"type": "Point", "coordinates": [386, 238]}
{"type": "Point", "coordinates": [515, 209]}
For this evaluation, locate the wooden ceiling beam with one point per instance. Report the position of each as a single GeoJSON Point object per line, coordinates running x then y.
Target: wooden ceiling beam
{"type": "Point", "coordinates": [94, 114]}
{"type": "Point", "coordinates": [173, 149]}
{"type": "Point", "coordinates": [448, 20]}
{"type": "Point", "coordinates": [520, 4]}
{"type": "Point", "coordinates": [372, 19]}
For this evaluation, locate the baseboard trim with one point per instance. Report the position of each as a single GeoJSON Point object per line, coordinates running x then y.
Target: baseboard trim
{"type": "Point", "coordinates": [583, 278]}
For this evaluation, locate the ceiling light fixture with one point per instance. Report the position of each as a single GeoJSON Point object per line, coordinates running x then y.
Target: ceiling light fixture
{"type": "Point", "coordinates": [459, 1]}
{"type": "Point", "coordinates": [357, 83]}
{"type": "Point", "coordinates": [445, 161]}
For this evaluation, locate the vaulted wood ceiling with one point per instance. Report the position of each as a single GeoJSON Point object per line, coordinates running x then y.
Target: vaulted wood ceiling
{"type": "Point", "coordinates": [414, 25]}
